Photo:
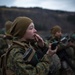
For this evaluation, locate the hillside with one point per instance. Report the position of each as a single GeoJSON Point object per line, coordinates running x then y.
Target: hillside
{"type": "Point", "coordinates": [44, 19]}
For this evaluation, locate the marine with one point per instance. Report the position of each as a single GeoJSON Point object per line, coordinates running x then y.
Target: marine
{"type": "Point", "coordinates": [63, 48]}
{"type": "Point", "coordinates": [21, 58]}
{"type": "Point", "coordinates": [4, 38]}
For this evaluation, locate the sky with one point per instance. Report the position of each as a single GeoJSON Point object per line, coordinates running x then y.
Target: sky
{"type": "Point", "coordinates": [65, 5]}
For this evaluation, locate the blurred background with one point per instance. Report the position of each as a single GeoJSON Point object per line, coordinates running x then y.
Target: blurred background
{"type": "Point", "coordinates": [44, 13]}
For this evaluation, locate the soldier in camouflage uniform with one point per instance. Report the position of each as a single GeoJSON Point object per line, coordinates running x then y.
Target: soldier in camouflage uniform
{"type": "Point", "coordinates": [22, 58]}
{"type": "Point", "coordinates": [4, 37]}
{"type": "Point", "coordinates": [62, 47]}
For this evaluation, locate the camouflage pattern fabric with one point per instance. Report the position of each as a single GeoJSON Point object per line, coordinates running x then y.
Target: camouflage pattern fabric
{"type": "Point", "coordinates": [16, 63]}
{"type": "Point", "coordinates": [3, 45]}
{"type": "Point", "coordinates": [62, 46]}
{"type": "Point", "coordinates": [56, 61]}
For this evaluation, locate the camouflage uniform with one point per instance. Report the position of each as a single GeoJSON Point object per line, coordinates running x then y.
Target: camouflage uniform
{"type": "Point", "coordinates": [22, 58]}
{"type": "Point", "coordinates": [4, 38]}
{"type": "Point", "coordinates": [62, 48]}
{"type": "Point", "coordinates": [21, 66]}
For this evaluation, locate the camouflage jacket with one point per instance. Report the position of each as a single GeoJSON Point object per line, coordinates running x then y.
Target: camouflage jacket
{"type": "Point", "coordinates": [5, 42]}
{"type": "Point", "coordinates": [19, 65]}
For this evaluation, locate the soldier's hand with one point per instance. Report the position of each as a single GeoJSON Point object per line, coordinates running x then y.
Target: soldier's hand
{"type": "Point", "coordinates": [51, 52]}
{"type": "Point", "coordinates": [39, 40]}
